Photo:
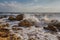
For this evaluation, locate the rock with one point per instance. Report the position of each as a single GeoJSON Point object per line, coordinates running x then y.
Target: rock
{"type": "Point", "coordinates": [19, 17]}
{"type": "Point", "coordinates": [4, 16]}
{"type": "Point", "coordinates": [11, 18]}
{"type": "Point", "coordinates": [25, 23]}
{"type": "Point", "coordinates": [16, 28]}
{"type": "Point", "coordinates": [4, 25]}
{"type": "Point", "coordinates": [1, 17]}
{"type": "Point", "coordinates": [7, 24]}
{"type": "Point", "coordinates": [4, 32]}
{"type": "Point", "coordinates": [32, 39]}
{"type": "Point", "coordinates": [51, 28]}
{"type": "Point", "coordinates": [55, 23]}
{"type": "Point", "coordinates": [15, 37]}
{"type": "Point", "coordinates": [58, 37]}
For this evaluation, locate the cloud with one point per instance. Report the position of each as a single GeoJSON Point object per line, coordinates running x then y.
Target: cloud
{"type": "Point", "coordinates": [15, 6]}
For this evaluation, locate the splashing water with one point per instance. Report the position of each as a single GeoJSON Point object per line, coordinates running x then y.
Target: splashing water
{"type": "Point", "coordinates": [33, 32]}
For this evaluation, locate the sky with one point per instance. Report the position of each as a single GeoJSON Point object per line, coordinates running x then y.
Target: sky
{"type": "Point", "coordinates": [29, 5]}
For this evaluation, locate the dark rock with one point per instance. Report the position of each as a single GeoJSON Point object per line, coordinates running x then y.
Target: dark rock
{"type": "Point", "coordinates": [58, 37]}
{"type": "Point", "coordinates": [25, 23]}
{"type": "Point", "coordinates": [19, 17]}
{"type": "Point", "coordinates": [16, 28]}
{"type": "Point", "coordinates": [31, 39]}
{"type": "Point", "coordinates": [11, 18]}
{"type": "Point", "coordinates": [55, 23]}
{"type": "Point", "coordinates": [51, 28]}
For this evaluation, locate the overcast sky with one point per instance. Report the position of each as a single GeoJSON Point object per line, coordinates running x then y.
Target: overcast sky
{"type": "Point", "coordinates": [29, 5]}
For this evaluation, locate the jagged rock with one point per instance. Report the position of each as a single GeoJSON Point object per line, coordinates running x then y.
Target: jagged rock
{"type": "Point", "coordinates": [4, 25]}
{"type": "Point", "coordinates": [19, 17]}
{"type": "Point", "coordinates": [15, 37]}
{"type": "Point", "coordinates": [6, 38]}
{"type": "Point", "coordinates": [16, 28]}
{"type": "Point", "coordinates": [51, 28]}
{"type": "Point", "coordinates": [25, 23]}
{"type": "Point", "coordinates": [31, 39]}
{"type": "Point", "coordinates": [58, 37]}
{"type": "Point", "coordinates": [11, 18]}
{"type": "Point", "coordinates": [1, 17]}
{"type": "Point", "coordinates": [55, 23]}
{"type": "Point", "coordinates": [4, 16]}
{"type": "Point", "coordinates": [4, 32]}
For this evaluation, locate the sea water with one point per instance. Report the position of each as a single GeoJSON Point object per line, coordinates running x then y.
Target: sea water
{"type": "Point", "coordinates": [37, 33]}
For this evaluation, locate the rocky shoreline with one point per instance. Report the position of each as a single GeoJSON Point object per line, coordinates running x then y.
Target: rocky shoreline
{"type": "Point", "coordinates": [27, 27]}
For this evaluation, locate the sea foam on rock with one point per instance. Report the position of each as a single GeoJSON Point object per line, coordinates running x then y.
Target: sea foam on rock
{"type": "Point", "coordinates": [29, 21]}
{"type": "Point", "coordinates": [32, 19]}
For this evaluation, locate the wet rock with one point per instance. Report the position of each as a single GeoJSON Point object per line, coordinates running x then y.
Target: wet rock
{"type": "Point", "coordinates": [58, 37]}
{"type": "Point", "coordinates": [55, 23]}
{"type": "Point", "coordinates": [25, 23]}
{"type": "Point", "coordinates": [4, 33]}
{"type": "Point", "coordinates": [6, 38]}
{"type": "Point", "coordinates": [51, 28]}
{"type": "Point", "coordinates": [4, 25]}
{"type": "Point", "coordinates": [1, 17]}
{"type": "Point", "coordinates": [15, 37]}
{"type": "Point", "coordinates": [19, 17]}
{"type": "Point", "coordinates": [7, 24]}
{"type": "Point", "coordinates": [16, 28]}
{"type": "Point", "coordinates": [11, 18]}
{"type": "Point", "coordinates": [4, 16]}
{"type": "Point", "coordinates": [32, 39]}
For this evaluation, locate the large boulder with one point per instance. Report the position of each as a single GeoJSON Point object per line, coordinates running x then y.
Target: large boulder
{"type": "Point", "coordinates": [19, 17]}
{"type": "Point", "coordinates": [25, 23]}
